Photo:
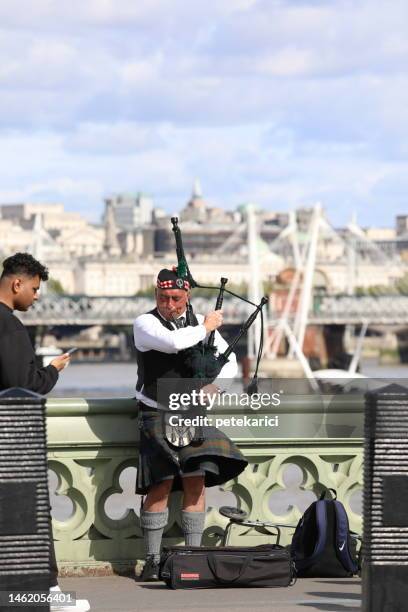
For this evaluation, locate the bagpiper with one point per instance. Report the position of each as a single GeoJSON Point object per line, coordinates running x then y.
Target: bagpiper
{"type": "Point", "coordinates": [176, 458]}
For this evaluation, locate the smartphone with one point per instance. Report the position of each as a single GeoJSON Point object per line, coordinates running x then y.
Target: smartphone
{"type": "Point", "coordinates": [71, 350]}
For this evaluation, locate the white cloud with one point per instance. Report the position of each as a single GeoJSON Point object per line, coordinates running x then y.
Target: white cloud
{"type": "Point", "coordinates": [285, 101]}
{"type": "Point", "coordinates": [62, 188]}
{"type": "Point", "coordinates": [122, 138]}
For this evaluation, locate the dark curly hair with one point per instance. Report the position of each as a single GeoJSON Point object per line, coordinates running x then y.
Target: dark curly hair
{"type": "Point", "coordinates": [24, 263]}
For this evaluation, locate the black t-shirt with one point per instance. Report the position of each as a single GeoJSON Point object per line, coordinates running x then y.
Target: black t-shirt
{"type": "Point", "coordinates": [17, 358]}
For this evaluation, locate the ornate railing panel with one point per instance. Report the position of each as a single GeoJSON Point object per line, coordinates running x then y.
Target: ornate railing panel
{"type": "Point", "coordinates": [93, 456]}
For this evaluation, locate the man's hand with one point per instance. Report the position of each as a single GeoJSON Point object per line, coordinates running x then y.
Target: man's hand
{"type": "Point", "coordinates": [61, 361]}
{"type": "Point", "coordinates": [213, 320]}
{"type": "Point", "coordinates": [209, 391]}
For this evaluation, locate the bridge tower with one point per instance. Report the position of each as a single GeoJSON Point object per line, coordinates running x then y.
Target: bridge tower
{"type": "Point", "coordinates": [111, 243]}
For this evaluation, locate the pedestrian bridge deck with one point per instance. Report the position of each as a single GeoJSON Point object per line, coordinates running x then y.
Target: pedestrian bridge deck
{"type": "Point", "coordinates": [122, 594]}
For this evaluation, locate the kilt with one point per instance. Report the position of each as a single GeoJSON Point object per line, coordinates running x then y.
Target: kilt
{"type": "Point", "coordinates": [216, 457]}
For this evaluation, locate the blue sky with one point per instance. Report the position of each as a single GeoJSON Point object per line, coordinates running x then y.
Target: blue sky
{"type": "Point", "coordinates": [283, 103]}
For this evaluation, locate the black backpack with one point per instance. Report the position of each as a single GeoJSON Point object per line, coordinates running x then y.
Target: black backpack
{"type": "Point", "coordinates": [322, 546]}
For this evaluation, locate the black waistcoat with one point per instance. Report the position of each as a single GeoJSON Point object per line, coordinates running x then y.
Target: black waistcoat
{"type": "Point", "coordinates": [154, 365]}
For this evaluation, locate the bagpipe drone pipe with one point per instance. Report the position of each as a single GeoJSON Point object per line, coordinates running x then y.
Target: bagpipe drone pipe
{"type": "Point", "coordinates": [202, 363]}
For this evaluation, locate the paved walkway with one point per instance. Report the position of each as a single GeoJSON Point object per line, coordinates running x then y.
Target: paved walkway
{"type": "Point", "coordinates": [122, 594]}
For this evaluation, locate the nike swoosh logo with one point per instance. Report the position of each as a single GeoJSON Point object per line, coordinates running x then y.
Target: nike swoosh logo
{"type": "Point", "coordinates": [342, 546]}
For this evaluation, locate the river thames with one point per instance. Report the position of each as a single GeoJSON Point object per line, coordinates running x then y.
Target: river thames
{"type": "Point", "coordinates": [119, 379]}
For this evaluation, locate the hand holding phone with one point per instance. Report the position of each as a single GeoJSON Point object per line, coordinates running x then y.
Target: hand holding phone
{"type": "Point", "coordinates": [60, 362]}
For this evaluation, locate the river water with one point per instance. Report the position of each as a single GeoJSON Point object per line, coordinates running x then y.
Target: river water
{"type": "Point", "coordinates": [93, 380]}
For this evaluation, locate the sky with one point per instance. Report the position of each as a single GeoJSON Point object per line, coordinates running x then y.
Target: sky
{"type": "Point", "coordinates": [283, 103]}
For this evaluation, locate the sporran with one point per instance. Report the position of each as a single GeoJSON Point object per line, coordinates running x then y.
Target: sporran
{"type": "Point", "coordinates": [179, 435]}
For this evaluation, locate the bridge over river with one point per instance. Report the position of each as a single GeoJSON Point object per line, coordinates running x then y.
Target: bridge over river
{"type": "Point", "coordinates": [340, 310]}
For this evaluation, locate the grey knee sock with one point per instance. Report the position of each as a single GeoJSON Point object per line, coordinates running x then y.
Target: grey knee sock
{"type": "Point", "coordinates": [192, 524]}
{"type": "Point", "coordinates": [153, 524]}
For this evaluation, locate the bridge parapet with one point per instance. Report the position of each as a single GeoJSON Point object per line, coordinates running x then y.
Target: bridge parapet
{"type": "Point", "coordinates": [93, 447]}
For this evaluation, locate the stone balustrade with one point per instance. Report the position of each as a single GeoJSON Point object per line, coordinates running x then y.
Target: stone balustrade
{"type": "Point", "coordinates": [93, 447]}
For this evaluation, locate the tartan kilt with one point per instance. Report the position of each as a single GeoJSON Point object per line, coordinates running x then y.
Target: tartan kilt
{"type": "Point", "coordinates": [216, 455]}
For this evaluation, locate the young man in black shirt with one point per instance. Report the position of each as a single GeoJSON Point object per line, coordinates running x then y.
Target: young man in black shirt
{"type": "Point", "coordinates": [19, 289]}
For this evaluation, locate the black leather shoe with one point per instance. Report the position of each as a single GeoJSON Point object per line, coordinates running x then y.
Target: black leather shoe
{"type": "Point", "coordinates": [150, 571]}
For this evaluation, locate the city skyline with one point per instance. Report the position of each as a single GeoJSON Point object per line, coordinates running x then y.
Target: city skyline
{"type": "Point", "coordinates": [98, 220]}
{"type": "Point", "coordinates": [279, 103]}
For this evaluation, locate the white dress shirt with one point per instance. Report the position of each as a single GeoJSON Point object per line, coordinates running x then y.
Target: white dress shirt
{"type": "Point", "coordinates": [150, 334]}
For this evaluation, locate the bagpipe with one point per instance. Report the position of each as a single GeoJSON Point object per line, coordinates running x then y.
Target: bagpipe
{"type": "Point", "coordinates": [201, 360]}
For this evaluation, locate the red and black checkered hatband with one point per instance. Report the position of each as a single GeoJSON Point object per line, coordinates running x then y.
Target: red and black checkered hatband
{"type": "Point", "coordinates": [168, 279]}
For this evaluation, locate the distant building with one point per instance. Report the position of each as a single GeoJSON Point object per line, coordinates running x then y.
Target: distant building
{"type": "Point", "coordinates": [13, 237]}
{"type": "Point", "coordinates": [53, 216]}
{"type": "Point", "coordinates": [200, 211]}
{"type": "Point", "coordinates": [211, 230]}
{"type": "Point", "coordinates": [80, 242]}
{"type": "Point", "coordinates": [401, 223]}
{"type": "Point", "coordinates": [64, 272]}
{"type": "Point", "coordinates": [385, 239]}
{"type": "Point", "coordinates": [113, 277]}
{"type": "Point", "coordinates": [36, 240]}
{"type": "Point", "coordinates": [158, 214]}
{"type": "Point", "coordinates": [137, 243]}
{"type": "Point", "coordinates": [367, 274]}
{"type": "Point", "coordinates": [402, 247]}
{"type": "Point", "coordinates": [25, 211]}
{"type": "Point", "coordinates": [111, 244]}
{"type": "Point", "coordinates": [205, 228]}
{"type": "Point", "coordinates": [196, 208]}
{"type": "Point", "coordinates": [125, 278]}
{"type": "Point", "coordinates": [392, 242]}
{"type": "Point", "coordinates": [277, 220]}
{"type": "Point", "coordinates": [303, 219]}
{"type": "Point", "coordinates": [130, 211]}
{"type": "Point", "coordinates": [198, 239]}
{"type": "Point", "coordinates": [380, 233]}
{"type": "Point", "coordinates": [49, 230]}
